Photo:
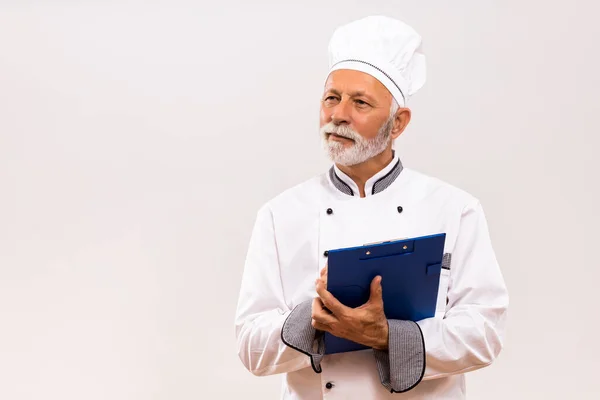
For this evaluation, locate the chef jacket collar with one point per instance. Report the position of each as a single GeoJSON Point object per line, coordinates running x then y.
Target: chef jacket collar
{"type": "Point", "coordinates": [376, 184]}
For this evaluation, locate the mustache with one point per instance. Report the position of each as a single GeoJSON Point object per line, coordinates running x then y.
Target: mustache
{"type": "Point", "coordinates": [340, 130]}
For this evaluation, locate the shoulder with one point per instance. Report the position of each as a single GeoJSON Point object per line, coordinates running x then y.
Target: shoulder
{"type": "Point", "coordinates": [434, 188]}
{"type": "Point", "coordinates": [305, 195]}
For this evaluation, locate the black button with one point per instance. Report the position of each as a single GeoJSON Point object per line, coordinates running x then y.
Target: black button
{"type": "Point", "coordinates": [326, 253]}
{"type": "Point", "coordinates": [400, 209]}
{"type": "Point", "coordinates": [329, 211]}
{"type": "Point", "coordinates": [329, 385]}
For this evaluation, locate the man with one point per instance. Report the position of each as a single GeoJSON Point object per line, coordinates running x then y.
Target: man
{"type": "Point", "coordinates": [367, 196]}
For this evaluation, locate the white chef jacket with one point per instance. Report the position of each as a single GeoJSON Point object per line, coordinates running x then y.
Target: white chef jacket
{"type": "Point", "coordinates": [286, 253]}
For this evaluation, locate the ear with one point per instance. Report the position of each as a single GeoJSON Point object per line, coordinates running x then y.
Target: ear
{"type": "Point", "coordinates": [401, 120]}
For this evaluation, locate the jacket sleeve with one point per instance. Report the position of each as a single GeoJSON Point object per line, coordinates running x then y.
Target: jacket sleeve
{"type": "Point", "coordinates": [262, 310]}
{"type": "Point", "coordinates": [470, 335]}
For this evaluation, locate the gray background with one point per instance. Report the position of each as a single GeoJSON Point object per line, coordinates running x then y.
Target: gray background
{"type": "Point", "coordinates": [138, 139]}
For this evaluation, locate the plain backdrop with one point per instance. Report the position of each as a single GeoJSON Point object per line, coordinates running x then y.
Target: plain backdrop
{"type": "Point", "coordinates": [139, 138]}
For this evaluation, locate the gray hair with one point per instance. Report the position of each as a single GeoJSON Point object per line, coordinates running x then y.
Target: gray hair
{"type": "Point", "coordinates": [394, 108]}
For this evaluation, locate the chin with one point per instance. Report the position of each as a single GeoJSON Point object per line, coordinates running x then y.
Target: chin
{"type": "Point", "coordinates": [342, 158]}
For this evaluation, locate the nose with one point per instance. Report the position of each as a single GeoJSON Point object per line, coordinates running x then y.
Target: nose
{"type": "Point", "coordinates": [341, 113]}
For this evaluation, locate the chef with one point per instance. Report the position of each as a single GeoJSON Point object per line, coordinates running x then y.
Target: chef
{"type": "Point", "coordinates": [368, 195]}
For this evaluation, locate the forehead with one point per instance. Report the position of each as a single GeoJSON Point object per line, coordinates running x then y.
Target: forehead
{"type": "Point", "coordinates": [349, 81]}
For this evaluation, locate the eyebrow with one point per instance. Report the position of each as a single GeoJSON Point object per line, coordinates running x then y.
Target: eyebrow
{"type": "Point", "coordinates": [357, 93]}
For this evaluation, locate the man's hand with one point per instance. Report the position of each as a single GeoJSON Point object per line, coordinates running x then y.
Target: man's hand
{"type": "Point", "coordinates": [324, 275]}
{"type": "Point", "coordinates": [366, 324]}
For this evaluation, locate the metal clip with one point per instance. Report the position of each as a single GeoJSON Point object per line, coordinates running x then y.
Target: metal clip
{"type": "Point", "coordinates": [384, 241]}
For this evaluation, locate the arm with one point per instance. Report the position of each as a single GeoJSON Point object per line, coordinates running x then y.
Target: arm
{"type": "Point", "coordinates": [470, 335]}
{"type": "Point", "coordinates": [262, 310]}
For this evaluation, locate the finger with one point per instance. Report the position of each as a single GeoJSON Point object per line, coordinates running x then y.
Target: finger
{"type": "Point", "coordinates": [324, 275]}
{"type": "Point", "coordinates": [316, 304]}
{"type": "Point", "coordinates": [321, 327]}
{"type": "Point", "coordinates": [376, 295]}
{"type": "Point", "coordinates": [324, 271]}
{"type": "Point", "coordinates": [320, 280]}
{"type": "Point", "coordinates": [331, 302]}
{"type": "Point", "coordinates": [322, 314]}
{"type": "Point", "coordinates": [318, 307]}
{"type": "Point", "coordinates": [321, 306]}
{"type": "Point", "coordinates": [325, 318]}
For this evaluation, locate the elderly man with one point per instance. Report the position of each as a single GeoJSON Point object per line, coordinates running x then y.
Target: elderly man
{"type": "Point", "coordinates": [284, 307]}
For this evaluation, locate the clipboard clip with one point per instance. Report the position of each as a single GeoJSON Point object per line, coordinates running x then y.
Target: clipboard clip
{"type": "Point", "coordinates": [384, 241]}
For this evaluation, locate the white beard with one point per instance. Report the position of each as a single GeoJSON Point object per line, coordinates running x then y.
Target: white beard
{"type": "Point", "coordinates": [361, 150]}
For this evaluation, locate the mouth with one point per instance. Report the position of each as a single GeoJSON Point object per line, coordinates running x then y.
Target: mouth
{"type": "Point", "coordinates": [338, 138]}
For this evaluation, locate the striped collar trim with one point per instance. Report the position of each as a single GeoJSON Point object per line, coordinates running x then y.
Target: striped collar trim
{"type": "Point", "coordinates": [376, 184]}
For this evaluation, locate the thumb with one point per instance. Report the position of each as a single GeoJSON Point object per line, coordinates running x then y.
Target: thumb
{"type": "Point", "coordinates": [376, 290]}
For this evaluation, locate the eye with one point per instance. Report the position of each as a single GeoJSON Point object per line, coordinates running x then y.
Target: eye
{"type": "Point", "coordinates": [361, 102]}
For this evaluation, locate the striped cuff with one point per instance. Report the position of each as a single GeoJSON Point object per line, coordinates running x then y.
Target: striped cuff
{"type": "Point", "coordinates": [402, 366]}
{"type": "Point", "coordinates": [299, 334]}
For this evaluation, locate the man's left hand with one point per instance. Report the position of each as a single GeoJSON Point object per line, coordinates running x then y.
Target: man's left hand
{"type": "Point", "coordinates": [366, 324]}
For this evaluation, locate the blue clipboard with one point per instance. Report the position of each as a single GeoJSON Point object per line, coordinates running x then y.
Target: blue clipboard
{"type": "Point", "coordinates": [410, 271]}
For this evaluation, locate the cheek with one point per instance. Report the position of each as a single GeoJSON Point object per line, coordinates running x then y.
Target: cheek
{"type": "Point", "coordinates": [367, 127]}
{"type": "Point", "coordinates": [324, 116]}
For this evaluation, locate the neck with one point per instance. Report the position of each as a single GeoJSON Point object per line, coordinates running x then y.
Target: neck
{"type": "Point", "coordinates": [361, 173]}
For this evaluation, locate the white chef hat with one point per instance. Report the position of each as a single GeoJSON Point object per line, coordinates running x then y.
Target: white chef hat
{"type": "Point", "coordinates": [383, 47]}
